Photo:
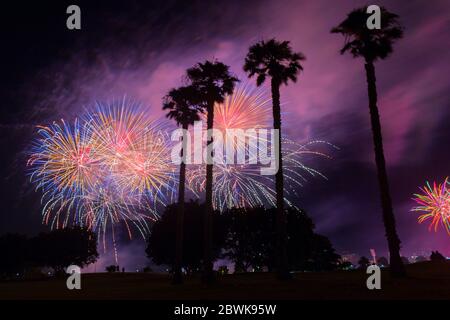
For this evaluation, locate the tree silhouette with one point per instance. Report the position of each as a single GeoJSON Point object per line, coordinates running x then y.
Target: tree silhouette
{"type": "Point", "coordinates": [249, 242]}
{"type": "Point", "coordinates": [382, 261]}
{"type": "Point", "coordinates": [111, 268]}
{"type": "Point", "coordinates": [436, 256]}
{"type": "Point", "coordinates": [405, 260]}
{"type": "Point", "coordinates": [212, 81]}
{"type": "Point", "coordinates": [162, 240]}
{"type": "Point", "coordinates": [276, 60]}
{"type": "Point", "coordinates": [14, 255]}
{"type": "Point", "coordinates": [251, 234]}
{"type": "Point", "coordinates": [363, 263]}
{"type": "Point", "coordinates": [182, 108]}
{"type": "Point", "coordinates": [373, 45]}
{"type": "Point", "coordinates": [345, 265]}
{"type": "Point", "coordinates": [57, 249]}
{"type": "Point", "coordinates": [61, 248]}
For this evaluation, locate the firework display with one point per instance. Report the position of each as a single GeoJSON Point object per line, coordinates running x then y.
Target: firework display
{"type": "Point", "coordinates": [242, 185]}
{"type": "Point", "coordinates": [247, 108]}
{"type": "Point", "coordinates": [266, 150]}
{"type": "Point", "coordinates": [434, 204]}
{"type": "Point", "coordinates": [112, 166]}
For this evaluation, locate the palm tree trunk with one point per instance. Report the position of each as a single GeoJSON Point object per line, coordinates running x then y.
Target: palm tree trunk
{"type": "Point", "coordinates": [282, 263]}
{"type": "Point", "coordinates": [397, 268]}
{"type": "Point", "coordinates": [207, 231]}
{"type": "Point", "coordinates": [178, 277]}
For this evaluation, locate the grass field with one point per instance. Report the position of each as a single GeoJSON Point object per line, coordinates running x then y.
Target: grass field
{"type": "Point", "coordinates": [427, 280]}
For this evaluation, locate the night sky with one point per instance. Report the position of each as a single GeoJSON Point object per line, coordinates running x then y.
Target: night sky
{"type": "Point", "coordinates": [142, 50]}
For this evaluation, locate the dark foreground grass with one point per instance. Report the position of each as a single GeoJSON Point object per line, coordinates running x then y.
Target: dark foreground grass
{"type": "Point", "coordinates": [428, 280]}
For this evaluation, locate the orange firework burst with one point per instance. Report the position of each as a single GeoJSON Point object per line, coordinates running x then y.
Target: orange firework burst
{"type": "Point", "coordinates": [64, 159]}
{"type": "Point", "coordinates": [246, 108]}
{"type": "Point", "coordinates": [134, 148]}
{"type": "Point", "coordinates": [435, 203]}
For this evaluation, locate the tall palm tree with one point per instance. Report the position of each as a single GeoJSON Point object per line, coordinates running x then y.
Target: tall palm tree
{"type": "Point", "coordinates": [276, 60]}
{"type": "Point", "coordinates": [212, 80]}
{"type": "Point", "coordinates": [180, 103]}
{"type": "Point", "coordinates": [372, 45]}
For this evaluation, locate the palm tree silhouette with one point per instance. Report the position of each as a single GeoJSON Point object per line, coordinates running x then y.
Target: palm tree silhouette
{"type": "Point", "coordinates": [212, 80]}
{"type": "Point", "coordinates": [182, 107]}
{"type": "Point", "coordinates": [372, 45]}
{"type": "Point", "coordinates": [276, 60]}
